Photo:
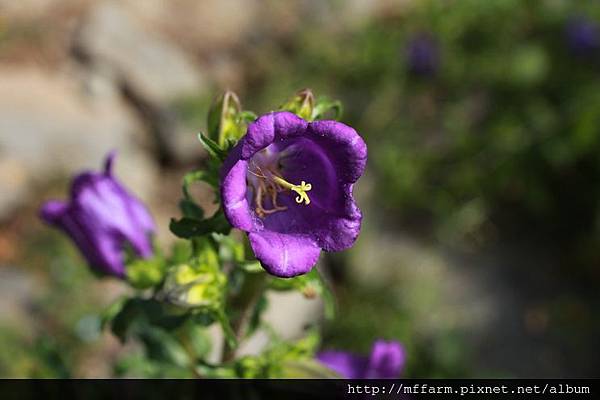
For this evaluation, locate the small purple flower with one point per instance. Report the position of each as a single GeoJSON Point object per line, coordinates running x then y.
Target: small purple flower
{"type": "Point", "coordinates": [385, 362]}
{"type": "Point", "coordinates": [288, 184]}
{"type": "Point", "coordinates": [101, 217]}
{"type": "Point", "coordinates": [422, 54]}
{"type": "Point", "coordinates": [583, 35]}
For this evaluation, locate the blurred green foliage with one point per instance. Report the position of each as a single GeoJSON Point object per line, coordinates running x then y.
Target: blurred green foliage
{"type": "Point", "coordinates": [64, 312]}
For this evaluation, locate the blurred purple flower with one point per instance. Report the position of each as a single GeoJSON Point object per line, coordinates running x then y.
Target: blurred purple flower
{"type": "Point", "coordinates": [583, 35]}
{"type": "Point", "coordinates": [288, 184]}
{"type": "Point", "coordinates": [422, 55]}
{"type": "Point", "coordinates": [101, 217]}
{"type": "Point", "coordinates": [385, 361]}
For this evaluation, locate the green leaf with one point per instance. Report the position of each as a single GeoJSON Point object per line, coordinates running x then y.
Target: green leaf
{"type": "Point", "coordinates": [198, 176]}
{"type": "Point", "coordinates": [125, 319]}
{"type": "Point", "coordinates": [136, 314]}
{"type": "Point", "coordinates": [112, 311]}
{"type": "Point", "coordinates": [324, 106]}
{"type": "Point", "coordinates": [187, 228]}
{"type": "Point", "coordinates": [188, 206]}
{"type": "Point", "coordinates": [212, 147]}
{"type": "Point", "coordinates": [163, 347]}
{"type": "Point", "coordinates": [190, 209]}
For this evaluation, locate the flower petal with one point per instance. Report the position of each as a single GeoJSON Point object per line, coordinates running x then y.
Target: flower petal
{"type": "Point", "coordinates": [347, 365]}
{"type": "Point", "coordinates": [267, 128]}
{"type": "Point", "coordinates": [101, 251]}
{"type": "Point", "coordinates": [261, 133]}
{"type": "Point", "coordinates": [52, 211]}
{"type": "Point", "coordinates": [347, 150]}
{"type": "Point", "coordinates": [234, 189]}
{"type": "Point", "coordinates": [284, 255]}
{"type": "Point", "coordinates": [386, 360]}
{"type": "Point", "coordinates": [339, 232]}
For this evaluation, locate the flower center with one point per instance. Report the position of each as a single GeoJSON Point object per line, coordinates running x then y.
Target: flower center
{"type": "Point", "coordinates": [269, 184]}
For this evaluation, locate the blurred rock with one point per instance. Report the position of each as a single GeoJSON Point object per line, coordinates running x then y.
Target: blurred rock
{"type": "Point", "coordinates": [151, 72]}
{"type": "Point", "coordinates": [440, 295]}
{"type": "Point", "coordinates": [207, 25]}
{"type": "Point", "coordinates": [17, 289]}
{"type": "Point", "coordinates": [26, 8]}
{"type": "Point", "coordinates": [50, 127]}
{"type": "Point", "coordinates": [307, 312]}
{"type": "Point", "coordinates": [115, 42]}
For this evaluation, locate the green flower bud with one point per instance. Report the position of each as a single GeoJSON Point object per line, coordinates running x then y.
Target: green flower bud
{"type": "Point", "coordinates": [145, 273]}
{"type": "Point", "coordinates": [195, 285]}
{"type": "Point", "coordinates": [301, 104]}
{"type": "Point", "coordinates": [251, 367]}
{"type": "Point", "coordinates": [307, 106]}
{"type": "Point", "coordinates": [198, 283]}
{"type": "Point", "coordinates": [226, 119]}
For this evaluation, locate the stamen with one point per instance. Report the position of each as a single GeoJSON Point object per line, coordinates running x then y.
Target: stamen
{"type": "Point", "coordinates": [262, 190]}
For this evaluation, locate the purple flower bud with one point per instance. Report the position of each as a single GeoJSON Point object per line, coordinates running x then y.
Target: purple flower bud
{"type": "Point", "coordinates": [385, 361]}
{"type": "Point", "coordinates": [583, 35]}
{"type": "Point", "coordinates": [101, 217]}
{"type": "Point", "coordinates": [422, 55]}
{"type": "Point", "coordinates": [288, 184]}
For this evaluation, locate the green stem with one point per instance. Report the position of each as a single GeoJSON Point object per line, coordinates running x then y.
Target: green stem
{"type": "Point", "coordinates": [184, 339]}
{"type": "Point", "coordinates": [252, 289]}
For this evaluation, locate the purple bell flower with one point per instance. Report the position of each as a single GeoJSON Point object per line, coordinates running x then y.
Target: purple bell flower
{"type": "Point", "coordinates": [288, 184]}
{"type": "Point", "coordinates": [100, 218]}
{"type": "Point", "coordinates": [583, 35]}
{"type": "Point", "coordinates": [422, 55]}
{"type": "Point", "coordinates": [385, 362]}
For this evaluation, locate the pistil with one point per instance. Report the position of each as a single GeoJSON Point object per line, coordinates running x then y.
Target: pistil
{"type": "Point", "coordinates": [300, 189]}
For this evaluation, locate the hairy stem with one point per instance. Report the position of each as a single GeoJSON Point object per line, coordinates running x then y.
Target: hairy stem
{"type": "Point", "coordinates": [243, 305]}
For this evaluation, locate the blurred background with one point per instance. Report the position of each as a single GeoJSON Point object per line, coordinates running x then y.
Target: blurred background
{"type": "Point", "coordinates": [480, 248]}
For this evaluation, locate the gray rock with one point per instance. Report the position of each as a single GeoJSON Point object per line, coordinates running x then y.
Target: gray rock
{"type": "Point", "coordinates": [117, 43]}
{"type": "Point", "coordinates": [151, 72]}
{"type": "Point", "coordinates": [50, 127]}
{"type": "Point", "coordinates": [207, 25]}
{"type": "Point", "coordinates": [307, 312]}
{"type": "Point", "coordinates": [17, 289]}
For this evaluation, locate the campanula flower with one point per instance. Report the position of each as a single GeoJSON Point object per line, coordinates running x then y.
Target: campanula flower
{"type": "Point", "coordinates": [583, 35]}
{"type": "Point", "coordinates": [422, 54]}
{"type": "Point", "coordinates": [288, 184]}
{"type": "Point", "coordinates": [101, 218]}
{"type": "Point", "coordinates": [385, 361]}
